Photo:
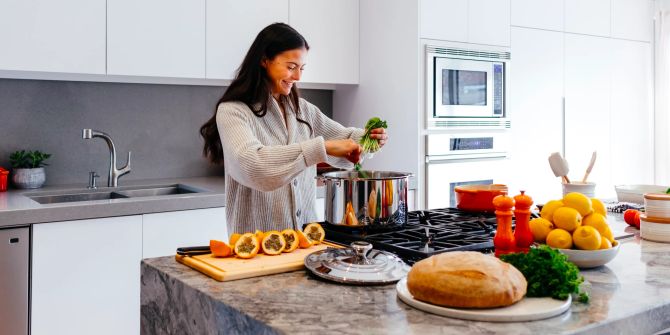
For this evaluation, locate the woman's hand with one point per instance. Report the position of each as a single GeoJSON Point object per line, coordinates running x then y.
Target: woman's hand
{"type": "Point", "coordinates": [379, 134]}
{"type": "Point", "coordinates": [346, 148]}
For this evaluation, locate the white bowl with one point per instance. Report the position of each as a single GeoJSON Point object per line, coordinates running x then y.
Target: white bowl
{"type": "Point", "coordinates": [635, 193]}
{"type": "Point", "coordinates": [585, 259]}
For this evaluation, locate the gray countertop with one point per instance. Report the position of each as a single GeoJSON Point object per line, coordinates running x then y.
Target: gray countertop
{"type": "Point", "coordinates": [629, 295]}
{"type": "Point", "coordinates": [16, 209]}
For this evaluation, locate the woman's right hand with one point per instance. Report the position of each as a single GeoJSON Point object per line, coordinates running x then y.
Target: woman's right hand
{"type": "Point", "coordinates": [346, 148]}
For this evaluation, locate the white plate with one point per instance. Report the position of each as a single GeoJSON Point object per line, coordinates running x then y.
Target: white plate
{"type": "Point", "coordinates": [528, 309]}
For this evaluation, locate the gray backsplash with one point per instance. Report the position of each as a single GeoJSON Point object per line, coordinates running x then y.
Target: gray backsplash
{"type": "Point", "coordinates": [158, 123]}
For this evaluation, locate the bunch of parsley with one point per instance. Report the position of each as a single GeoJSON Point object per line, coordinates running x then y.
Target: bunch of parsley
{"type": "Point", "coordinates": [370, 144]}
{"type": "Point", "coordinates": [548, 273]}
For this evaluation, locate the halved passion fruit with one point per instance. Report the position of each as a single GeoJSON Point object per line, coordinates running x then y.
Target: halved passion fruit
{"type": "Point", "coordinates": [273, 243]}
{"type": "Point", "coordinates": [259, 236]}
{"type": "Point", "coordinates": [220, 248]}
{"type": "Point", "coordinates": [247, 246]}
{"type": "Point", "coordinates": [233, 238]}
{"type": "Point", "coordinates": [304, 241]}
{"type": "Point", "coordinates": [291, 238]}
{"type": "Point", "coordinates": [315, 232]}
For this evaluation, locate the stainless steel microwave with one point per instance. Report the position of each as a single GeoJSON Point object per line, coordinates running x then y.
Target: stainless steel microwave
{"type": "Point", "coordinates": [466, 84]}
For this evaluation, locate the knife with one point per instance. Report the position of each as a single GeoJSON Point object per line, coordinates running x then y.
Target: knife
{"type": "Point", "coordinates": [193, 251]}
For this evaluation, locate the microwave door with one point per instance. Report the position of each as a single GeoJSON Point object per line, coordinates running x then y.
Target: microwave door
{"type": "Point", "coordinates": [463, 88]}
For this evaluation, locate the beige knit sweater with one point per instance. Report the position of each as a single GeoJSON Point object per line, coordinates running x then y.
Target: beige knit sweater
{"type": "Point", "coordinates": [270, 165]}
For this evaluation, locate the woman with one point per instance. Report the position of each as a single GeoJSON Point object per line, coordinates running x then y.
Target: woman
{"type": "Point", "coordinates": [270, 139]}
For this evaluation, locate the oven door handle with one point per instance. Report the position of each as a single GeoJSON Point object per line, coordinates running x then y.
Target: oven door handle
{"type": "Point", "coordinates": [464, 157]}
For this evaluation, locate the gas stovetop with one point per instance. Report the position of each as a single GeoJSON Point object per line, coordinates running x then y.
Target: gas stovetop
{"type": "Point", "coordinates": [427, 232]}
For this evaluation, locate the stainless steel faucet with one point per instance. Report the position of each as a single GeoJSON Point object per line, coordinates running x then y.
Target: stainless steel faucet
{"type": "Point", "coordinates": [114, 173]}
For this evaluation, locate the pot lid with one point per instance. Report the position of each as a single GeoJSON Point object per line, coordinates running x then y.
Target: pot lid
{"type": "Point", "coordinates": [359, 264]}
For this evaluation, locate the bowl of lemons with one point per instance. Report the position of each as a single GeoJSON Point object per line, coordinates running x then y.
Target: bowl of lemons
{"type": "Point", "coordinates": [577, 226]}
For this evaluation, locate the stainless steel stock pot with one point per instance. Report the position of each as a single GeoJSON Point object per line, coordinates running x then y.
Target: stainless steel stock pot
{"type": "Point", "coordinates": [366, 198]}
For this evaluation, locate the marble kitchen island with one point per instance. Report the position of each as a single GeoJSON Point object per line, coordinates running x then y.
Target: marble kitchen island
{"type": "Point", "coordinates": [630, 295]}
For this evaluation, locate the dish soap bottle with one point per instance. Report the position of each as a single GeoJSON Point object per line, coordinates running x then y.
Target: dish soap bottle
{"type": "Point", "coordinates": [503, 241]}
{"type": "Point", "coordinates": [522, 233]}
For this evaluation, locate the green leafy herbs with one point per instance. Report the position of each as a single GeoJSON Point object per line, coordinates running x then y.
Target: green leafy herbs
{"type": "Point", "coordinates": [667, 191]}
{"type": "Point", "coordinates": [370, 144]}
{"type": "Point", "coordinates": [28, 159]}
{"type": "Point", "coordinates": [548, 273]}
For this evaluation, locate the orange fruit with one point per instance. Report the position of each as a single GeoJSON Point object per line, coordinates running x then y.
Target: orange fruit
{"type": "Point", "coordinates": [234, 238]}
{"type": "Point", "coordinates": [303, 240]}
{"type": "Point", "coordinates": [315, 232]}
{"type": "Point", "coordinates": [273, 243]}
{"type": "Point", "coordinates": [246, 246]}
{"type": "Point", "coordinates": [220, 248]}
{"type": "Point", "coordinates": [292, 241]}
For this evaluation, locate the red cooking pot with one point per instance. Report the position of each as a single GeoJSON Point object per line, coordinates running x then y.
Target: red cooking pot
{"type": "Point", "coordinates": [478, 198]}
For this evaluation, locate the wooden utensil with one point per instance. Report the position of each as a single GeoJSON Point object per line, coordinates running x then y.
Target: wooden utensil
{"type": "Point", "coordinates": [588, 169]}
{"type": "Point", "coordinates": [559, 166]}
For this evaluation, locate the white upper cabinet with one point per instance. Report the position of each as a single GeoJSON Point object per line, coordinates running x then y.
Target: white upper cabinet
{"type": "Point", "coordinates": [543, 14]}
{"type": "Point", "coordinates": [536, 109]}
{"type": "Point", "coordinates": [489, 22]}
{"type": "Point", "coordinates": [632, 19]}
{"type": "Point", "coordinates": [444, 20]}
{"type": "Point", "coordinates": [331, 30]}
{"type": "Point", "coordinates": [632, 113]}
{"type": "Point", "coordinates": [232, 26]}
{"type": "Point", "coordinates": [587, 108]}
{"type": "Point", "coordinates": [53, 36]}
{"type": "Point", "coordinates": [161, 38]}
{"type": "Point", "coordinates": [591, 17]}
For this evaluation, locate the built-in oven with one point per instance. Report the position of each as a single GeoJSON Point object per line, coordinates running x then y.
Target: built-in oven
{"type": "Point", "coordinates": [466, 87]}
{"type": "Point", "coordinates": [463, 158]}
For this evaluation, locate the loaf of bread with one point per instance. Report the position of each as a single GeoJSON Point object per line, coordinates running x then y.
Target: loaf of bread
{"type": "Point", "coordinates": [466, 279]}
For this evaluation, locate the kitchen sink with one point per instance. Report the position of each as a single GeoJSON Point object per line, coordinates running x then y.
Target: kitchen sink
{"type": "Point", "coordinates": [75, 197]}
{"type": "Point", "coordinates": [158, 191]}
{"type": "Point", "coordinates": [121, 193]}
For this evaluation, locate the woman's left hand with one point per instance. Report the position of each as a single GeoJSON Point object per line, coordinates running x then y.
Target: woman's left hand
{"type": "Point", "coordinates": [379, 134]}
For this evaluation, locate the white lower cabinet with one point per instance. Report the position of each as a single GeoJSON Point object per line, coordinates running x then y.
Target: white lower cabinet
{"type": "Point", "coordinates": [163, 233]}
{"type": "Point", "coordinates": [86, 273]}
{"type": "Point", "coordinates": [86, 276]}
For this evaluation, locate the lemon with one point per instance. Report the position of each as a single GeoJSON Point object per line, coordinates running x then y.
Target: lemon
{"type": "Point", "coordinates": [549, 208]}
{"type": "Point", "coordinates": [567, 219]}
{"type": "Point", "coordinates": [559, 238]}
{"type": "Point", "coordinates": [598, 207]}
{"type": "Point", "coordinates": [579, 202]}
{"type": "Point", "coordinates": [599, 222]}
{"type": "Point", "coordinates": [540, 228]}
{"type": "Point", "coordinates": [605, 244]}
{"type": "Point", "coordinates": [587, 238]}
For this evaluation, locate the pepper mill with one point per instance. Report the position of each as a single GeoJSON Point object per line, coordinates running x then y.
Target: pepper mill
{"type": "Point", "coordinates": [503, 241]}
{"type": "Point", "coordinates": [522, 233]}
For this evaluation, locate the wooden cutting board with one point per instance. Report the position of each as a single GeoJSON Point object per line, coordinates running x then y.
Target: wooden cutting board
{"type": "Point", "coordinates": [233, 268]}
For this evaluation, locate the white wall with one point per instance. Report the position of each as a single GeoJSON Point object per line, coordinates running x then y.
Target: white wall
{"type": "Point", "coordinates": [389, 82]}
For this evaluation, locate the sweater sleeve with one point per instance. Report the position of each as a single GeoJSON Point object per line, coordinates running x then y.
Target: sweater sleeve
{"type": "Point", "coordinates": [331, 130]}
{"type": "Point", "coordinates": [258, 166]}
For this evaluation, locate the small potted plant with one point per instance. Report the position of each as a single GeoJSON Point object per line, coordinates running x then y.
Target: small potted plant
{"type": "Point", "coordinates": [28, 168]}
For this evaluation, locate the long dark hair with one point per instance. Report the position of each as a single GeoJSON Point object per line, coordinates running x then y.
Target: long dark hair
{"type": "Point", "coordinates": [251, 84]}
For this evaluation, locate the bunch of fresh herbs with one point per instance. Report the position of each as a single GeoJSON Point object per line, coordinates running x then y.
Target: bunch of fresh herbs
{"type": "Point", "coordinates": [28, 159]}
{"type": "Point", "coordinates": [368, 143]}
{"type": "Point", "coordinates": [548, 273]}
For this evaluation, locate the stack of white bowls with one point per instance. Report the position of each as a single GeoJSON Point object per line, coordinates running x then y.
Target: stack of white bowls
{"type": "Point", "coordinates": [655, 223]}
